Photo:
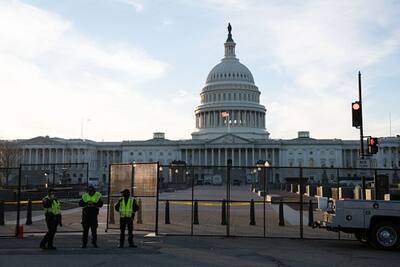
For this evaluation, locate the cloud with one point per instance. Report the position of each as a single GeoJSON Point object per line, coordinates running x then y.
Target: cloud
{"type": "Point", "coordinates": [52, 76]}
{"type": "Point", "coordinates": [138, 6]}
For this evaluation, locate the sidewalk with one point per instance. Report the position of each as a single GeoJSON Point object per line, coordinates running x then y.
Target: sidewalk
{"type": "Point", "coordinates": [192, 251]}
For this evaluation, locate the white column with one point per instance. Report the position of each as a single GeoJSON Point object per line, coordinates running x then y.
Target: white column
{"type": "Point", "coordinates": [199, 161]}
{"type": "Point", "coordinates": [273, 157]}
{"type": "Point", "coordinates": [212, 156]}
{"type": "Point", "coordinates": [259, 154]}
{"type": "Point", "coordinates": [233, 156]}
{"type": "Point", "coordinates": [219, 157]}
{"type": "Point", "coordinates": [246, 157]}
{"type": "Point", "coordinates": [226, 156]}
{"type": "Point", "coordinates": [351, 158]}
{"type": "Point", "coordinates": [240, 157]}
{"type": "Point", "coordinates": [252, 154]}
{"type": "Point", "coordinates": [205, 157]}
{"type": "Point", "coordinates": [186, 156]}
{"type": "Point", "coordinates": [30, 156]}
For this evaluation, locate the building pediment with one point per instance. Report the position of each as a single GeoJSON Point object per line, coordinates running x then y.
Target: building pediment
{"type": "Point", "coordinates": [40, 140]}
{"type": "Point", "coordinates": [229, 139]}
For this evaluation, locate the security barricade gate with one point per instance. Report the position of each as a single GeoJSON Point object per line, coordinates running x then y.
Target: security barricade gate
{"type": "Point", "coordinates": [22, 190]}
{"type": "Point", "coordinates": [141, 180]}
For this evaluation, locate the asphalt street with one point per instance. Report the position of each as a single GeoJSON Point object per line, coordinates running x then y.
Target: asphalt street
{"type": "Point", "coordinates": [193, 251]}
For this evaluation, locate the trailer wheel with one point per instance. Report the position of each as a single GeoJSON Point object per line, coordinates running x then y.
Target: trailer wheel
{"type": "Point", "coordinates": [385, 235]}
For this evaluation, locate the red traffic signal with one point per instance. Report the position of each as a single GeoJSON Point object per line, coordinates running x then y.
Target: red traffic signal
{"type": "Point", "coordinates": [372, 145]}
{"type": "Point", "coordinates": [356, 114]}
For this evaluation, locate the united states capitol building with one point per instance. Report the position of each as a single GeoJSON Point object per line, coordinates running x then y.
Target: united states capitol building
{"type": "Point", "coordinates": [240, 135]}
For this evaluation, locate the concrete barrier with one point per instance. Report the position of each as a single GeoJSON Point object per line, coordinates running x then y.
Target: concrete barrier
{"type": "Point", "coordinates": [369, 194]}
{"type": "Point", "coordinates": [311, 190]}
{"type": "Point", "coordinates": [346, 193]}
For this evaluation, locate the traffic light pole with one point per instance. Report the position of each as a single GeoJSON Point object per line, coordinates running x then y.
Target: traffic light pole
{"type": "Point", "coordinates": [361, 134]}
{"type": "Point", "coordinates": [361, 126]}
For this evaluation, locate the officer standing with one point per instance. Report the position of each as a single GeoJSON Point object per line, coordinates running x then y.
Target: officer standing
{"type": "Point", "coordinates": [126, 207]}
{"type": "Point", "coordinates": [91, 202]}
{"type": "Point", "coordinates": [52, 213]}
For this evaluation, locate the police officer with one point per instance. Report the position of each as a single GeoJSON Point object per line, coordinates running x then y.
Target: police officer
{"type": "Point", "coordinates": [91, 202]}
{"type": "Point", "coordinates": [52, 212]}
{"type": "Point", "coordinates": [126, 207]}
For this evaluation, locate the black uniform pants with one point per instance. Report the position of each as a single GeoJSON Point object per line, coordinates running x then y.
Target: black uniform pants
{"type": "Point", "coordinates": [123, 223]}
{"type": "Point", "coordinates": [51, 223]}
{"type": "Point", "coordinates": [92, 225]}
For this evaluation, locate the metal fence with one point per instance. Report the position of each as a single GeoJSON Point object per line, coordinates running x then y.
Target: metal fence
{"type": "Point", "coordinates": [141, 180]}
{"type": "Point", "coordinates": [258, 201]}
{"type": "Point", "coordinates": [21, 195]}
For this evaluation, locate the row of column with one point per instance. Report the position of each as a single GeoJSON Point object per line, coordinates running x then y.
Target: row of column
{"type": "Point", "coordinates": [237, 118]}
{"type": "Point", "coordinates": [212, 97]}
{"type": "Point", "coordinates": [350, 157]}
{"type": "Point", "coordinates": [61, 155]}
{"type": "Point", "coordinates": [239, 156]}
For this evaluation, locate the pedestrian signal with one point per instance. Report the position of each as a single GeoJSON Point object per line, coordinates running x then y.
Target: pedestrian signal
{"type": "Point", "coordinates": [372, 145]}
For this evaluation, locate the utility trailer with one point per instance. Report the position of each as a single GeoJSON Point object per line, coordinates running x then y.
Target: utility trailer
{"type": "Point", "coordinates": [376, 222]}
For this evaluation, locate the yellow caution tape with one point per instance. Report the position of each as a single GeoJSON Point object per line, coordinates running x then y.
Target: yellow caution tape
{"type": "Point", "coordinates": [23, 202]}
{"type": "Point", "coordinates": [212, 204]}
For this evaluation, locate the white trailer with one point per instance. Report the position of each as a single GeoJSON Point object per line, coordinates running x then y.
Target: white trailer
{"type": "Point", "coordinates": [376, 222]}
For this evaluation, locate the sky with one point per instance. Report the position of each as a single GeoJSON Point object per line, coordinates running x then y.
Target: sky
{"type": "Point", "coordinates": [122, 69]}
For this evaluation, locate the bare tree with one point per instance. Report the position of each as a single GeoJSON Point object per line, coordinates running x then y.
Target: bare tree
{"type": "Point", "coordinates": [10, 156]}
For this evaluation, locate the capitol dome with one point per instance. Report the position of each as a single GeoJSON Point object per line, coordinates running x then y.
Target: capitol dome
{"type": "Point", "coordinates": [230, 101]}
{"type": "Point", "coordinates": [230, 70]}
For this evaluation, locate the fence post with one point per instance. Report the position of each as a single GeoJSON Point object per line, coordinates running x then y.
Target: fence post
{"type": "Point", "coordinates": [196, 213]}
{"type": "Point", "coordinates": [17, 226]}
{"type": "Point", "coordinates": [301, 202]}
{"type": "Point", "coordinates": [111, 208]}
{"type": "Point", "coordinates": [281, 216]}
{"type": "Point", "coordinates": [223, 212]}
{"type": "Point", "coordinates": [1, 213]}
{"type": "Point", "coordinates": [310, 213]}
{"type": "Point", "coordinates": [228, 196]}
{"type": "Point", "coordinates": [139, 215]}
{"type": "Point", "coordinates": [252, 216]}
{"type": "Point", "coordinates": [29, 213]}
{"type": "Point", "coordinates": [167, 219]}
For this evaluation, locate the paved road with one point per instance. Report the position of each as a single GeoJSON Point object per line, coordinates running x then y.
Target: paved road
{"type": "Point", "coordinates": [195, 251]}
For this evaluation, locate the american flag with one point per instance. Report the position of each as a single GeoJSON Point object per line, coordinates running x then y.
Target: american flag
{"type": "Point", "coordinates": [224, 114]}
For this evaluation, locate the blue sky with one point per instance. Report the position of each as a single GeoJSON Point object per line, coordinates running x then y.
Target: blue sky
{"type": "Point", "coordinates": [127, 68]}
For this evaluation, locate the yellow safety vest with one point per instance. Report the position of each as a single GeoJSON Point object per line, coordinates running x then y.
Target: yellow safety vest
{"type": "Point", "coordinates": [88, 198]}
{"type": "Point", "coordinates": [125, 209]}
{"type": "Point", "coordinates": [55, 206]}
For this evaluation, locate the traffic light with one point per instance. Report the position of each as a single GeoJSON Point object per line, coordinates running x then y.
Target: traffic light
{"type": "Point", "coordinates": [372, 145]}
{"type": "Point", "coordinates": [356, 113]}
